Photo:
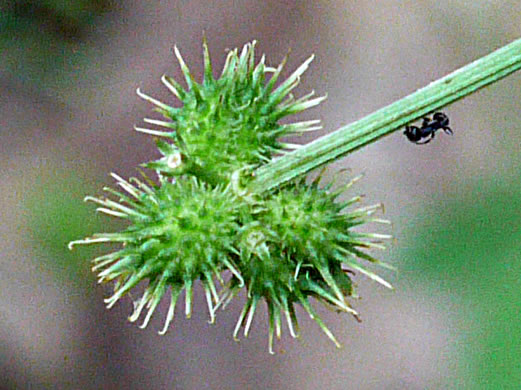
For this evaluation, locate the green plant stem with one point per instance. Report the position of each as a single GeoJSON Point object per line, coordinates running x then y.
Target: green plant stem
{"type": "Point", "coordinates": [434, 96]}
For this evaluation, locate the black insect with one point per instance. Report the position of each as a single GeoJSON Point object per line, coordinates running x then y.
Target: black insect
{"type": "Point", "coordinates": [425, 133]}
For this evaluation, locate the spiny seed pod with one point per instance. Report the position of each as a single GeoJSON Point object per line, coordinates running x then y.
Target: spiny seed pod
{"type": "Point", "coordinates": [296, 248]}
{"type": "Point", "coordinates": [228, 123]}
{"type": "Point", "coordinates": [181, 232]}
{"type": "Point", "coordinates": [202, 221]}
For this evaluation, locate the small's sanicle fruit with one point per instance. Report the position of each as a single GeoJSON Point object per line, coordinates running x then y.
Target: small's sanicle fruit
{"type": "Point", "coordinates": [199, 221]}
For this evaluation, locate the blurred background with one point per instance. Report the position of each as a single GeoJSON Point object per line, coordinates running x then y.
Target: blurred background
{"type": "Point", "coordinates": [68, 75]}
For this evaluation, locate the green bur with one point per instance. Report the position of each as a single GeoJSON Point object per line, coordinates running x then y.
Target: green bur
{"type": "Point", "coordinates": [201, 221]}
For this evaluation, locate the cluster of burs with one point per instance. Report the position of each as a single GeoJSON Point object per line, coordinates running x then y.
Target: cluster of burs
{"type": "Point", "coordinates": [199, 220]}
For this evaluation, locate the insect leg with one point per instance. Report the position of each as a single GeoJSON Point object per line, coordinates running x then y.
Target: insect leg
{"type": "Point", "coordinates": [427, 140]}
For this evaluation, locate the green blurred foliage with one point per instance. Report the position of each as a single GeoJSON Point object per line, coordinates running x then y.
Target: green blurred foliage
{"type": "Point", "coordinates": [471, 252]}
{"type": "Point", "coordinates": [40, 38]}
{"type": "Point", "coordinates": [57, 216]}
